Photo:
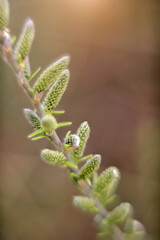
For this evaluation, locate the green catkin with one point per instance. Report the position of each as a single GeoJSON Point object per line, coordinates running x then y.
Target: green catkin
{"type": "Point", "coordinates": [53, 157]}
{"type": "Point", "coordinates": [49, 123]}
{"type": "Point", "coordinates": [25, 40]}
{"type": "Point", "coordinates": [27, 68]}
{"type": "Point", "coordinates": [57, 90]}
{"type": "Point", "coordinates": [83, 133]}
{"type": "Point", "coordinates": [32, 118]}
{"type": "Point", "coordinates": [119, 214]}
{"type": "Point", "coordinates": [106, 177]}
{"type": "Point", "coordinates": [85, 204]}
{"type": "Point", "coordinates": [90, 167]}
{"type": "Point", "coordinates": [51, 74]}
{"type": "Point", "coordinates": [4, 13]}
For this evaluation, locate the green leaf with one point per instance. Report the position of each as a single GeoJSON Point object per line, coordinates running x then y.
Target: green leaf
{"type": "Point", "coordinates": [70, 164]}
{"type": "Point", "coordinates": [39, 137]}
{"type": "Point", "coordinates": [34, 74]}
{"type": "Point", "coordinates": [36, 133]}
{"type": "Point", "coordinates": [64, 124]}
{"type": "Point", "coordinates": [58, 112]}
{"type": "Point", "coordinates": [85, 158]}
{"type": "Point", "coordinates": [32, 90]}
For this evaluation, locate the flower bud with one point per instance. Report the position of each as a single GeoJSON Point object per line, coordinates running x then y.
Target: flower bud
{"type": "Point", "coordinates": [90, 166]}
{"type": "Point", "coordinates": [32, 118]}
{"type": "Point", "coordinates": [83, 133]}
{"type": "Point", "coordinates": [25, 40]}
{"type": "Point", "coordinates": [4, 13]}
{"type": "Point", "coordinates": [49, 123]}
{"type": "Point", "coordinates": [119, 214]}
{"type": "Point", "coordinates": [51, 74]}
{"type": "Point", "coordinates": [85, 204]}
{"type": "Point", "coordinates": [108, 176]}
{"type": "Point", "coordinates": [72, 141]}
{"type": "Point", "coordinates": [57, 90]}
{"type": "Point", "coordinates": [53, 157]}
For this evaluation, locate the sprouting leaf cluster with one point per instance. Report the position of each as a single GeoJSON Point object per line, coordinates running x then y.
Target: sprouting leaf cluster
{"type": "Point", "coordinates": [98, 189]}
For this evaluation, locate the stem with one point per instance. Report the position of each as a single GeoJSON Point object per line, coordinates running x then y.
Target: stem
{"type": "Point", "coordinates": [8, 57]}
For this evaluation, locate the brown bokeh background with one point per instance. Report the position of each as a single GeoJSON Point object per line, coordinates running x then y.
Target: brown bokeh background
{"type": "Point", "coordinates": [115, 84]}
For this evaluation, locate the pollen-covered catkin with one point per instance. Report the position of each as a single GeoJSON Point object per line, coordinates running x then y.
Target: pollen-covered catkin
{"type": "Point", "coordinates": [106, 177]}
{"type": "Point", "coordinates": [4, 13]}
{"type": "Point", "coordinates": [118, 214]}
{"type": "Point", "coordinates": [25, 40]}
{"type": "Point", "coordinates": [27, 68]}
{"type": "Point", "coordinates": [51, 74]}
{"type": "Point", "coordinates": [83, 133]}
{"type": "Point", "coordinates": [85, 204]}
{"type": "Point", "coordinates": [53, 157]}
{"type": "Point", "coordinates": [32, 118]}
{"type": "Point", "coordinates": [90, 166]}
{"type": "Point", "coordinates": [55, 93]}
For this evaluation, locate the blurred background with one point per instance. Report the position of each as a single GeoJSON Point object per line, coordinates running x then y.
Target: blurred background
{"type": "Point", "coordinates": [115, 85]}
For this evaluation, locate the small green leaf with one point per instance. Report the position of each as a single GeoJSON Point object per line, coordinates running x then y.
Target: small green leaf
{"type": "Point", "coordinates": [85, 158]}
{"type": "Point", "coordinates": [64, 124]}
{"type": "Point", "coordinates": [34, 74]}
{"type": "Point", "coordinates": [32, 90]}
{"type": "Point", "coordinates": [58, 112]}
{"type": "Point", "coordinates": [36, 133]}
{"type": "Point", "coordinates": [70, 164]}
{"type": "Point", "coordinates": [39, 137]}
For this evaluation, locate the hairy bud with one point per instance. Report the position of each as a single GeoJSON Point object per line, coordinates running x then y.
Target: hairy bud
{"type": "Point", "coordinates": [85, 204]}
{"type": "Point", "coordinates": [119, 214]}
{"type": "Point", "coordinates": [4, 13]}
{"type": "Point", "coordinates": [106, 178]}
{"type": "Point", "coordinates": [57, 90]}
{"type": "Point", "coordinates": [90, 166]}
{"type": "Point", "coordinates": [32, 118]}
{"type": "Point", "coordinates": [51, 74]}
{"type": "Point", "coordinates": [25, 40]}
{"type": "Point", "coordinates": [49, 123]}
{"type": "Point", "coordinates": [72, 141]}
{"type": "Point", "coordinates": [53, 157]}
{"type": "Point", "coordinates": [83, 133]}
